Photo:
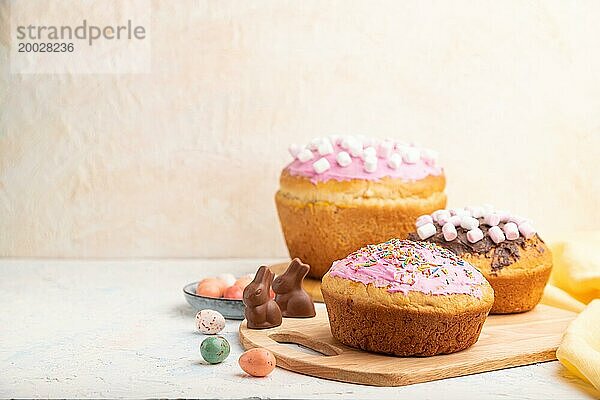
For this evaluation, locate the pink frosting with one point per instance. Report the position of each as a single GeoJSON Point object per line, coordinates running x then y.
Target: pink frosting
{"type": "Point", "coordinates": [356, 170]}
{"type": "Point", "coordinates": [404, 266]}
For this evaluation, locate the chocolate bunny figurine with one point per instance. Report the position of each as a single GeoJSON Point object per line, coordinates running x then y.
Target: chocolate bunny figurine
{"type": "Point", "coordinates": [261, 311]}
{"type": "Point", "coordinates": [290, 296]}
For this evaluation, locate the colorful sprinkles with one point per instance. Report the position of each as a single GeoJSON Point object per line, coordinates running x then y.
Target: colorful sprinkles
{"type": "Point", "coordinates": [404, 265]}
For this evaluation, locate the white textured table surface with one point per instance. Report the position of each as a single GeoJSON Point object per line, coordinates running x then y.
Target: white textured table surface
{"type": "Point", "coordinates": [123, 329]}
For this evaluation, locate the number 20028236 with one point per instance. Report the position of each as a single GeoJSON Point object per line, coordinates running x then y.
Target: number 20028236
{"type": "Point", "coordinates": [45, 47]}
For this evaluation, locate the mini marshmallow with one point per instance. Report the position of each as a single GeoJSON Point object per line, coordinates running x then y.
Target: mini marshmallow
{"type": "Point", "coordinates": [455, 220]}
{"type": "Point", "coordinates": [474, 235]}
{"type": "Point", "coordinates": [325, 148]}
{"type": "Point", "coordinates": [411, 155]}
{"type": "Point", "coordinates": [496, 234]}
{"type": "Point", "coordinates": [349, 141]}
{"type": "Point", "coordinates": [474, 211]}
{"type": "Point", "coordinates": [294, 149]}
{"type": "Point", "coordinates": [334, 139]}
{"type": "Point", "coordinates": [477, 212]}
{"type": "Point", "coordinates": [402, 148]}
{"type": "Point", "coordinates": [443, 219]}
{"type": "Point", "coordinates": [426, 231]}
{"type": "Point", "coordinates": [527, 230]}
{"type": "Point", "coordinates": [504, 215]}
{"type": "Point", "coordinates": [511, 231]}
{"type": "Point", "coordinates": [491, 219]}
{"type": "Point", "coordinates": [371, 164]}
{"type": "Point", "coordinates": [517, 219]}
{"type": "Point", "coordinates": [429, 156]}
{"type": "Point", "coordinates": [435, 214]}
{"type": "Point", "coordinates": [314, 143]}
{"type": "Point", "coordinates": [385, 149]}
{"type": "Point", "coordinates": [343, 159]}
{"type": "Point", "coordinates": [369, 152]}
{"type": "Point", "coordinates": [345, 142]}
{"type": "Point", "coordinates": [394, 161]}
{"type": "Point", "coordinates": [355, 149]}
{"type": "Point", "coordinates": [321, 165]}
{"type": "Point", "coordinates": [443, 214]}
{"type": "Point", "coordinates": [460, 212]}
{"type": "Point", "coordinates": [422, 220]}
{"type": "Point", "coordinates": [469, 223]}
{"type": "Point", "coordinates": [369, 142]}
{"type": "Point", "coordinates": [305, 155]}
{"type": "Point", "coordinates": [449, 231]}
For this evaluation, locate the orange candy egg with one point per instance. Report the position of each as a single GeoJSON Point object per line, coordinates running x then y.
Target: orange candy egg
{"type": "Point", "coordinates": [243, 281]}
{"type": "Point", "coordinates": [213, 282]}
{"type": "Point", "coordinates": [209, 289]}
{"type": "Point", "coordinates": [257, 362]}
{"type": "Point", "coordinates": [233, 292]}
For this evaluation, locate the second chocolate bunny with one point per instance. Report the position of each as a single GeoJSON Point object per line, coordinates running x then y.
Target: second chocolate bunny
{"type": "Point", "coordinates": [289, 294]}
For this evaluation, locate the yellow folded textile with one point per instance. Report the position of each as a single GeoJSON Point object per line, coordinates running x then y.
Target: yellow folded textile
{"type": "Point", "coordinates": [576, 266]}
{"type": "Point", "coordinates": [575, 281]}
{"type": "Point", "coordinates": [556, 297]}
{"type": "Point", "coordinates": [580, 347]}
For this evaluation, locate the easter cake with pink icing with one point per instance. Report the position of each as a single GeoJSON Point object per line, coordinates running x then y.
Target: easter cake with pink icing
{"type": "Point", "coordinates": [406, 298]}
{"type": "Point", "coordinates": [343, 192]}
{"type": "Point", "coordinates": [503, 246]}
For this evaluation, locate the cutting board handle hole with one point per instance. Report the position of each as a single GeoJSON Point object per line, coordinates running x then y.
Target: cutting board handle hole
{"type": "Point", "coordinates": [305, 343]}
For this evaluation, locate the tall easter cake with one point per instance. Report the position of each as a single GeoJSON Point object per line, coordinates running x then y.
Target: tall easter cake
{"type": "Point", "coordinates": [406, 298]}
{"type": "Point", "coordinates": [504, 247]}
{"type": "Point", "coordinates": [341, 193]}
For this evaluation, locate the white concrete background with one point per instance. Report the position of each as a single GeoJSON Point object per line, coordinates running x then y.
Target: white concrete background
{"type": "Point", "coordinates": [106, 329]}
{"type": "Point", "coordinates": [184, 161]}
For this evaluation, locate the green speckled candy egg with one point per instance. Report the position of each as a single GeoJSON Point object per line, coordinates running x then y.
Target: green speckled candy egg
{"type": "Point", "coordinates": [214, 349]}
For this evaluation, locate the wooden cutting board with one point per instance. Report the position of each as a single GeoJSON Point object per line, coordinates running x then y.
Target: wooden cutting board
{"type": "Point", "coordinates": [505, 341]}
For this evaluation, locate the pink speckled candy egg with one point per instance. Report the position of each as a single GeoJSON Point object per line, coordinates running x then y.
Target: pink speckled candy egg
{"type": "Point", "coordinates": [210, 322]}
{"type": "Point", "coordinates": [257, 362]}
{"type": "Point", "coordinates": [233, 292]}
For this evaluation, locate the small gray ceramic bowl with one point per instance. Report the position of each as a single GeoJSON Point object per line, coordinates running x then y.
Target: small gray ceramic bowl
{"type": "Point", "coordinates": [231, 309]}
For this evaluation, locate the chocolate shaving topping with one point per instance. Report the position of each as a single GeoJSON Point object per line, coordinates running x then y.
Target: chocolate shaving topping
{"type": "Point", "coordinates": [502, 254]}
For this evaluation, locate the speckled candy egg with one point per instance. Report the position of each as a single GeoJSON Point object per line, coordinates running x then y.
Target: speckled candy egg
{"type": "Point", "coordinates": [257, 362]}
{"type": "Point", "coordinates": [214, 349]}
{"type": "Point", "coordinates": [227, 278]}
{"type": "Point", "coordinates": [210, 322]}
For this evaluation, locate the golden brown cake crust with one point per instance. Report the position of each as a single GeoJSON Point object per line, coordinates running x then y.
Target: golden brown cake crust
{"type": "Point", "coordinates": [326, 221]}
{"type": "Point", "coordinates": [519, 286]}
{"type": "Point", "coordinates": [416, 324]}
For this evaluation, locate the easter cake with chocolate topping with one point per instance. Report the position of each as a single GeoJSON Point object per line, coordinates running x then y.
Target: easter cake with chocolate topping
{"type": "Point", "coordinates": [406, 298]}
{"type": "Point", "coordinates": [505, 248]}
{"type": "Point", "coordinates": [341, 193]}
